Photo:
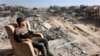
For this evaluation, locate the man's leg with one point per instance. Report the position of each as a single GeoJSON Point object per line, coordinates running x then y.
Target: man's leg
{"type": "Point", "coordinates": [45, 42]}
{"type": "Point", "coordinates": [40, 47]}
{"type": "Point", "coordinates": [46, 46]}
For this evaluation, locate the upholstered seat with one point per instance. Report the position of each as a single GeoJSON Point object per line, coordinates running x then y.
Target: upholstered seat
{"type": "Point", "coordinates": [20, 49]}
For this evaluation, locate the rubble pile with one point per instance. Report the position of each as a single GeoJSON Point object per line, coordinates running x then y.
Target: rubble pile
{"type": "Point", "coordinates": [61, 43]}
{"type": "Point", "coordinates": [57, 39]}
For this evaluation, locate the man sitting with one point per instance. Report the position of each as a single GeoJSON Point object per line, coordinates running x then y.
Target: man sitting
{"type": "Point", "coordinates": [22, 33]}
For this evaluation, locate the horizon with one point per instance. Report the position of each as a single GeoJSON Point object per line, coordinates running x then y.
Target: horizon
{"type": "Point", "coordinates": [47, 3]}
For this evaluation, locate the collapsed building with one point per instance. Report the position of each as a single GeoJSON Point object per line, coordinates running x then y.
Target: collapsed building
{"type": "Point", "coordinates": [92, 13]}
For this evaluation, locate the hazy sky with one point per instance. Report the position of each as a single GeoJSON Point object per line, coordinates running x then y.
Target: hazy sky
{"type": "Point", "coordinates": [46, 3]}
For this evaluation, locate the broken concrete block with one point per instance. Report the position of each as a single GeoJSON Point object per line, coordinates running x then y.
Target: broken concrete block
{"type": "Point", "coordinates": [47, 25]}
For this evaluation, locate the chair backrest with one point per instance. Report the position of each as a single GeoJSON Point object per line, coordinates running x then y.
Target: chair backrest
{"type": "Point", "coordinates": [28, 25]}
{"type": "Point", "coordinates": [20, 49]}
{"type": "Point", "coordinates": [10, 30]}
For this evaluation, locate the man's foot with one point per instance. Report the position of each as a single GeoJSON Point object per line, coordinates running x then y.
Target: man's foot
{"type": "Point", "coordinates": [49, 54]}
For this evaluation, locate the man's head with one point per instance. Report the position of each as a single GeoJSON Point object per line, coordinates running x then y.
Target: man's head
{"type": "Point", "coordinates": [20, 21]}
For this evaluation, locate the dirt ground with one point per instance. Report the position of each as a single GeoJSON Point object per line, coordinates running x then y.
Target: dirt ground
{"type": "Point", "coordinates": [70, 39]}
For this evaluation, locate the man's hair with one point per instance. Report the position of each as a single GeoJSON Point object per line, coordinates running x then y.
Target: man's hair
{"type": "Point", "coordinates": [20, 19]}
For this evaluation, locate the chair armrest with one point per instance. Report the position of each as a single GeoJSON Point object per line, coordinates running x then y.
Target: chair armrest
{"type": "Point", "coordinates": [29, 44]}
{"type": "Point", "coordinates": [37, 34]}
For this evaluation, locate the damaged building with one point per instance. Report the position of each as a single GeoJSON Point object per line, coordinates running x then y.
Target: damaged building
{"type": "Point", "coordinates": [92, 13]}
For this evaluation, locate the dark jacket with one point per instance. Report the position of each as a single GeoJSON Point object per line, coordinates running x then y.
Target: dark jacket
{"type": "Point", "coordinates": [18, 37]}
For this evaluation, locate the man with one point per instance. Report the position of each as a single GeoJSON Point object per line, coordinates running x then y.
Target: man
{"type": "Point", "coordinates": [22, 33]}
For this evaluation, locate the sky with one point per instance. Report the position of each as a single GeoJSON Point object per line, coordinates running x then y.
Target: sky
{"type": "Point", "coordinates": [47, 3]}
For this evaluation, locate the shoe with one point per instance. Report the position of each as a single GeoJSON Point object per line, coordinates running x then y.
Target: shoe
{"type": "Point", "coordinates": [49, 54]}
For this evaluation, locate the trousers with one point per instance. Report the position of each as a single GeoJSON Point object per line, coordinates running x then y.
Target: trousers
{"type": "Point", "coordinates": [37, 43]}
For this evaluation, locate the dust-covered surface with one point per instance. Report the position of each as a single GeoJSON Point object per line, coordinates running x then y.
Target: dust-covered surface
{"type": "Point", "coordinates": [67, 35]}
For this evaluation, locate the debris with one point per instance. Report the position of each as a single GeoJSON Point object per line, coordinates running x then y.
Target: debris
{"type": "Point", "coordinates": [57, 25]}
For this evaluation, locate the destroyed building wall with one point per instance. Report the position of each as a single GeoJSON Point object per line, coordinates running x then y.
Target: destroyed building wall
{"type": "Point", "coordinates": [92, 13]}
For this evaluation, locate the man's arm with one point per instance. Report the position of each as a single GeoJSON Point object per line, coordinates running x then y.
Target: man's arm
{"type": "Point", "coordinates": [37, 34]}
{"type": "Point", "coordinates": [17, 37]}
{"type": "Point", "coordinates": [27, 39]}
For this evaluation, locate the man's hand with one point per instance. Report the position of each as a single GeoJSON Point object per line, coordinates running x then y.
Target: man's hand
{"type": "Point", "coordinates": [17, 31]}
{"type": "Point", "coordinates": [27, 39]}
{"type": "Point", "coordinates": [20, 30]}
